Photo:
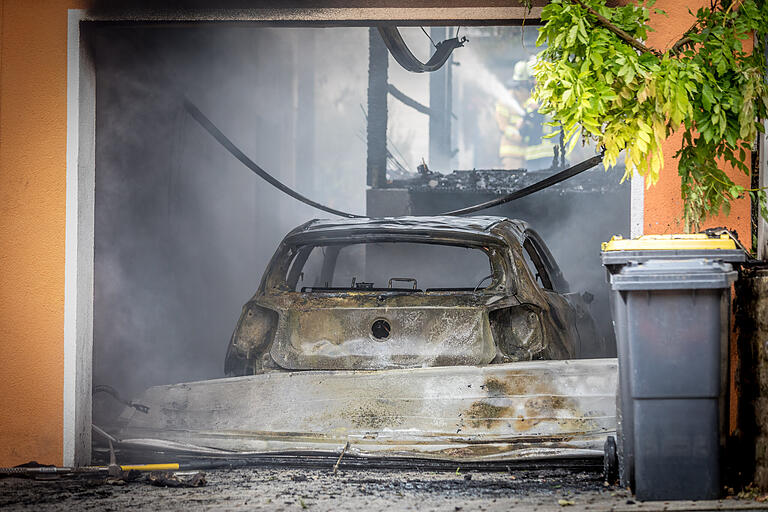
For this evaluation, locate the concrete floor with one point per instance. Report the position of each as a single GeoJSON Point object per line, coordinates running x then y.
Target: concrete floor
{"type": "Point", "coordinates": [358, 490]}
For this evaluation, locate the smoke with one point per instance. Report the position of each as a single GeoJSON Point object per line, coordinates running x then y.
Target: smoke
{"type": "Point", "coordinates": [573, 218]}
{"type": "Point", "coordinates": [474, 72]}
{"type": "Point", "coordinates": [183, 232]}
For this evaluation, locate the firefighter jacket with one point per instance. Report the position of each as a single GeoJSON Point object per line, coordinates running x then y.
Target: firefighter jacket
{"type": "Point", "coordinates": [523, 135]}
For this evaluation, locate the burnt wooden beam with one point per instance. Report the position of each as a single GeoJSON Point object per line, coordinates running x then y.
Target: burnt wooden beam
{"type": "Point", "coordinates": [378, 62]}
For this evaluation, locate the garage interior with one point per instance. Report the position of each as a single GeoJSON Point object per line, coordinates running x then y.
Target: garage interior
{"type": "Point", "coordinates": [183, 231]}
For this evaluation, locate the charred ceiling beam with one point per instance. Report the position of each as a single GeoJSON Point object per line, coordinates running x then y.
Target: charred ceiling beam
{"type": "Point", "coordinates": [313, 13]}
{"type": "Point", "coordinates": [407, 100]}
{"type": "Point", "coordinates": [410, 102]}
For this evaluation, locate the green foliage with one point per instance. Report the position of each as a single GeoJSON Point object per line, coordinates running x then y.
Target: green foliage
{"type": "Point", "coordinates": [625, 96]}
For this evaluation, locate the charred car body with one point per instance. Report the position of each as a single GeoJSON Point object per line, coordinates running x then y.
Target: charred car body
{"type": "Point", "coordinates": [430, 337]}
{"type": "Point", "coordinates": [410, 292]}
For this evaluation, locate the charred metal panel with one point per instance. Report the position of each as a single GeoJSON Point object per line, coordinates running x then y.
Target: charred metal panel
{"type": "Point", "coordinates": [251, 338]}
{"type": "Point", "coordinates": [347, 338]}
{"type": "Point", "coordinates": [506, 411]}
{"type": "Point", "coordinates": [518, 333]}
{"type": "Point", "coordinates": [473, 224]}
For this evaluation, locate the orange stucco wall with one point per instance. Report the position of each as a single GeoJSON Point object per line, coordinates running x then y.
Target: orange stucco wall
{"type": "Point", "coordinates": [33, 50]}
{"type": "Point", "coordinates": [663, 206]}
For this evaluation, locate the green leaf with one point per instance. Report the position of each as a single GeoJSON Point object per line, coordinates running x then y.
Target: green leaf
{"type": "Point", "coordinates": [572, 35]}
{"type": "Point", "coordinates": [583, 32]}
{"type": "Point", "coordinates": [708, 99]}
{"type": "Point", "coordinates": [601, 88]}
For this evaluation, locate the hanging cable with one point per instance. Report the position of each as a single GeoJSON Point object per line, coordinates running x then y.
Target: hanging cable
{"type": "Point", "coordinates": [222, 139]}
{"type": "Point", "coordinates": [539, 185]}
{"type": "Point", "coordinates": [235, 151]}
{"type": "Point", "coordinates": [428, 37]}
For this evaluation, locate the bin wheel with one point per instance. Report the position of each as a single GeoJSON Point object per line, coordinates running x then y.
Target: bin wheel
{"type": "Point", "coordinates": [610, 461]}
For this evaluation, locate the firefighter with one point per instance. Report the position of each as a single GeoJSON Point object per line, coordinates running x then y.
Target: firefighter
{"type": "Point", "coordinates": [523, 128]}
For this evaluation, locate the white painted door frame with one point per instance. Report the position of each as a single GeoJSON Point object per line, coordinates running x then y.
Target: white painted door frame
{"type": "Point", "coordinates": [78, 263]}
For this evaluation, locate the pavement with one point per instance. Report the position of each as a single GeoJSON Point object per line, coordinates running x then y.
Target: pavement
{"type": "Point", "coordinates": [290, 489]}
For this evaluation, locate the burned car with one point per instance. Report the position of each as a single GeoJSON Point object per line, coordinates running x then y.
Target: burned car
{"type": "Point", "coordinates": [410, 292]}
{"type": "Point", "coordinates": [445, 338]}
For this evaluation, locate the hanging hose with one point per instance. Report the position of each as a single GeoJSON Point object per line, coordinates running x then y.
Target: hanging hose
{"type": "Point", "coordinates": [403, 55]}
{"type": "Point", "coordinates": [235, 151]}
{"type": "Point", "coordinates": [222, 139]}
{"type": "Point", "coordinates": [539, 185]}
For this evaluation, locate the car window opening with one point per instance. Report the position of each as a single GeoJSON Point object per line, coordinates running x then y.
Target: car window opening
{"type": "Point", "coordinates": [536, 265]}
{"type": "Point", "coordinates": [391, 267]}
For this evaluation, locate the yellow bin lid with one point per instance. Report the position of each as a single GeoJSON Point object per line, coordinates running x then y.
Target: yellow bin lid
{"type": "Point", "coordinates": [670, 243]}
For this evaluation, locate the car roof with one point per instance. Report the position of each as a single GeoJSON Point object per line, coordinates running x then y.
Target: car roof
{"type": "Point", "coordinates": [476, 228]}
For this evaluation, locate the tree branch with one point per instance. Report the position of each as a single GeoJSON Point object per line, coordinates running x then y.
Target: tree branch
{"type": "Point", "coordinates": [619, 32]}
{"type": "Point", "coordinates": [684, 39]}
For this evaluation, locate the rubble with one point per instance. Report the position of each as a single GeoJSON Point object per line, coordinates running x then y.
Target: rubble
{"type": "Point", "coordinates": [501, 181]}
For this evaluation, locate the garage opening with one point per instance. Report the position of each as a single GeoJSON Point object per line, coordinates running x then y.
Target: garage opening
{"type": "Point", "coordinates": [183, 232]}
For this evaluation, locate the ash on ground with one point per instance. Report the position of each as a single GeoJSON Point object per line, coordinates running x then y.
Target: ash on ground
{"type": "Point", "coordinates": [320, 490]}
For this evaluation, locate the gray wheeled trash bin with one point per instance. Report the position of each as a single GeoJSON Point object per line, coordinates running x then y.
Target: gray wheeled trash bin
{"type": "Point", "coordinates": [670, 310]}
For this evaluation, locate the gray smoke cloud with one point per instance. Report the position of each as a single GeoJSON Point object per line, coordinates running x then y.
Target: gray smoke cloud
{"type": "Point", "coordinates": [184, 231]}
